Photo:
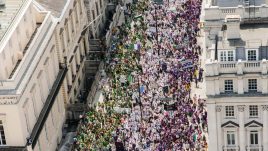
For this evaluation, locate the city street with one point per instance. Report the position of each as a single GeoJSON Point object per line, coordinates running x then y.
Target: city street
{"type": "Point", "coordinates": [152, 66]}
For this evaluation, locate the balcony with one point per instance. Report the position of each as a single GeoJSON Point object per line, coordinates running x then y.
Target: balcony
{"type": "Point", "coordinates": [230, 148]}
{"type": "Point", "coordinates": [254, 148]}
{"type": "Point", "coordinates": [215, 68]}
{"type": "Point", "coordinates": [254, 14]}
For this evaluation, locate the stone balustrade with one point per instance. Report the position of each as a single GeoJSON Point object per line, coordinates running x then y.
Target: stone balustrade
{"type": "Point", "coordinates": [214, 68]}
{"type": "Point", "coordinates": [219, 13]}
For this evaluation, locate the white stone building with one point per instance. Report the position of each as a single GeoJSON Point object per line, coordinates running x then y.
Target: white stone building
{"type": "Point", "coordinates": [42, 51]}
{"type": "Point", "coordinates": [73, 45]}
{"type": "Point", "coordinates": [96, 14]}
{"type": "Point", "coordinates": [236, 74]}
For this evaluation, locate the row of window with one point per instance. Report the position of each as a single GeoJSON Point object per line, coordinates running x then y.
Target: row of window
{"type": "Point", "coordinates": [231, 139]}
{"type": "Point", "coordinates": [70, 27]}
{"type": "Point", "coordinates": [229, 55]}
{"type": "Point", "coordinates": [2, 134]}
{"type": "Point", "coordinates": [229, 85]}
{"type": "Point", "coordinates": [253, 111]}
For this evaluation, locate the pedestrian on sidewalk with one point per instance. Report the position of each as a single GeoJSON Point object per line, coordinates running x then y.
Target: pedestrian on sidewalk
{"type": "Point", "coordinates": [196, 82]}
{"type": "Point", "coordinates": [200, 75]}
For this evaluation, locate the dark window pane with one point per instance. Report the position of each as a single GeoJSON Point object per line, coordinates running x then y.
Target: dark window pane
{"type": "Point", "coordinates": [228, 139]}
{"type": "Point", "coordinates": [233, 139]}
{"type": "Point", "coordinates": [256, 139]}
{"type": "Point", "coordinates": [251, 139]}
{"type": "Point", "coordinates": [4, 142]}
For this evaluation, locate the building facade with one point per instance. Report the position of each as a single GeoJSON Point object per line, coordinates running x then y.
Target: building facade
{"type": "Point", "coordinates": [73, 45]}
{"type": "Point", "coordinates": [43, 44]}
{"type": "Point", "coordinates": [96, 14]}
{"type": "Point", "coordinates": [236, 74]}
{"type": "Point", "coordinates": [32, 108]}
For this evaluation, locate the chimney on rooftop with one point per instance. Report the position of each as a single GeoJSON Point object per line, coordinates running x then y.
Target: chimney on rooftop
{"type": "Point", "coordinates": [233, 26]}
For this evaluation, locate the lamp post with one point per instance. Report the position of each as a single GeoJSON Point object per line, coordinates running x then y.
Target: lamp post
{"type": "Point", "coordinates": [157, 2]}
{"type": "Point", "coordinates": [140, 96]}
{"type": "Point", "coordinates": [155, 14]}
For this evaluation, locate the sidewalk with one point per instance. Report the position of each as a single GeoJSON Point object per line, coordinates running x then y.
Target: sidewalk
{"type": "Point", "coordinates": [201, 89]}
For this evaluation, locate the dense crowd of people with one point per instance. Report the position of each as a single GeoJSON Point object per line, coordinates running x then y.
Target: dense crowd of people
{"type": "Point", "coordinates": [150, 66]}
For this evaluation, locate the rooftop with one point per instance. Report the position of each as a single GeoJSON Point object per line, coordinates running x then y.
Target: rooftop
{"type": "Point", "coordinates": [55, 6]}
{"type": "Point", "coordinates": [8, 12]}
{"type": "Point", "coordinates": [252, 36]}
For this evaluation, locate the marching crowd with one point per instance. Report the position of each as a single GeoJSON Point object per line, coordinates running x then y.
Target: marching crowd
{"type": "Point", "coordinates": [152, 62]}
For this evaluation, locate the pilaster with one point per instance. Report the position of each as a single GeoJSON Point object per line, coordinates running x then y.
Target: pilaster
{"type": "Point", "coordinates": [239, 67]}
{"type": "Point", "coordinates": [212, 128]}
{"type": "Point", "coordinates": [219, 130]}
{"type": "Point", "coordinates": [217, 86]}
{"type": "Point", "coordinates": [241, 109]}
{"type": "Point", "coordinates": [264, 81]}
{"type": "Point", "coordinates": [265, 127]}
{"type": "Point", "coordinates": [240, 85]}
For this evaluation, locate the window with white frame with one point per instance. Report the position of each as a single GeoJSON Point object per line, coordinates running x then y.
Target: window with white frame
{"type": "Point", "coordinates": [254, 138]}
{"type": "Point", "coordinates": [223, 56]}
{"type": "Point", "coordinates": [252, 55]}
{"type": "Point", "coordinates": [229, 111]}
{"type": "Point", "coordinates": [253, 111]}
{"type": "Point", "coordinates": [2, 134]}
{"type": "Point", "coordinates": [230, 56]}
{"type": "Point", "coordinates": [227, 55]}
{"type": "Point", "coordinates": [252, 84]}
{"type": "Point", "coordinates": [230, 138]}
{"type": "Point", "coordinates": [228, 85]}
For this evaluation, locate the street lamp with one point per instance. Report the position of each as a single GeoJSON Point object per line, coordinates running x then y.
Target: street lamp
{"type": "Point", "coordinates": [157, 2]}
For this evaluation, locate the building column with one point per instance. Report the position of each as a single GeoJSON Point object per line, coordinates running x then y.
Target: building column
{"type": "Point", "coordinates": [78, 59]}
{"type": "Point", "coordinates": [241, 109]}
{"type": "Point", "coordinates": [239, 65]}
{"type": "Point", "coordinates": [87, 44]}
{"type": "Point", "coordinates": [264, 66]}
{"type": "Point", "coordinates": [212, 129]}
{"type": "Point", "coordinates": [264, 84]}
{"type": "Point", "coordinates": [240, 85]}
{"type": "Point", "coordinates": [217, 86]}
{"type": "Point", "coordinates": [219, 130]}
{"type": "Point", "coordinates": [265, 127]}
{"type": "Point", "coordinates": [248, 140]}
{"type": "Point", "coordinates": [260, 138]}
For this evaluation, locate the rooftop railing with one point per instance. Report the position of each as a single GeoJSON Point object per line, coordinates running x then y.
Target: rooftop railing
{"type": "Point", "coordinates": [29, 57]}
